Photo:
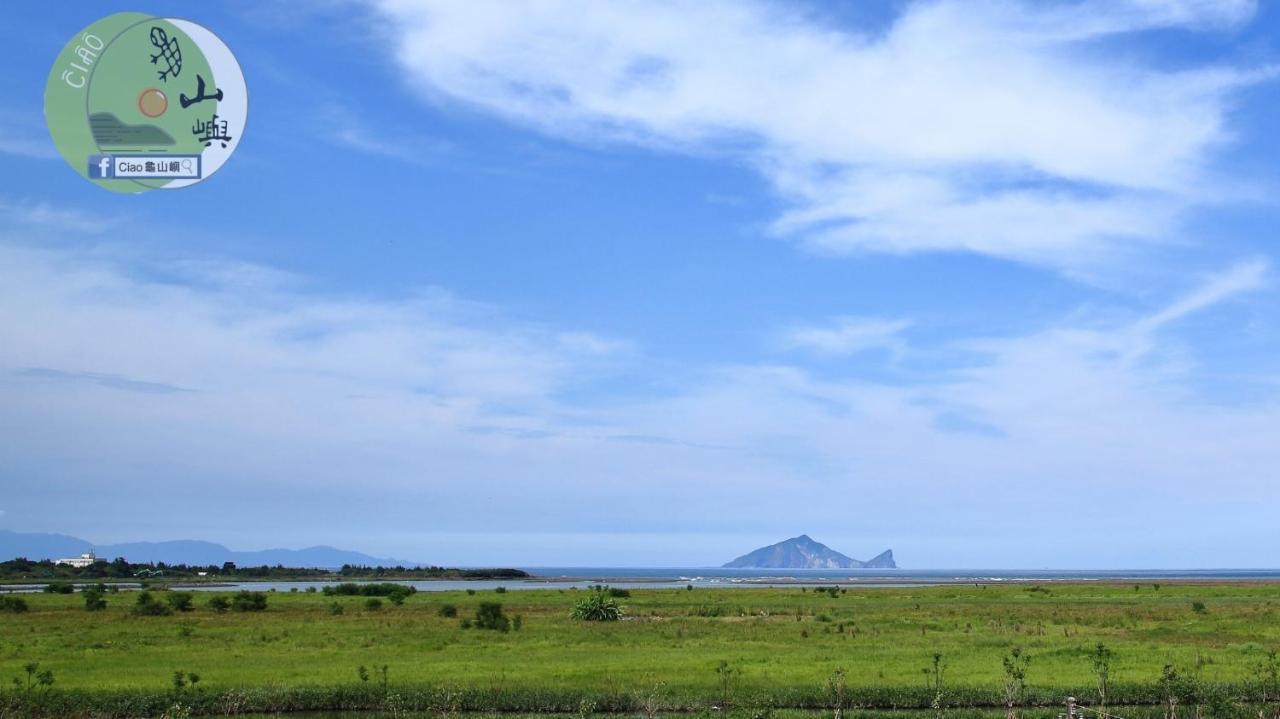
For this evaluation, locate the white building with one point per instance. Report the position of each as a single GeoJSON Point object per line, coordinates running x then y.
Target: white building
{"type": "Point", "coordinates": [83, 560]}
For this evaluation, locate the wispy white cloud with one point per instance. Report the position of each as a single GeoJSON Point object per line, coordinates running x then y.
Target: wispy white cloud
{"type": "Point", "coordinates": [382, 411]}
{"type": "Point", "coordinates": [992, 127]}
{"type": "Point", "coordinates": [1240, 278]}
{"type": "Point", "coordinates": [25, 215]}
{"type": "Point", "coordinates": [25, 136]}
{"type": "Point", "coordinates": [848, 335]}
{"type": "Point", "coordinates": [346, 129]}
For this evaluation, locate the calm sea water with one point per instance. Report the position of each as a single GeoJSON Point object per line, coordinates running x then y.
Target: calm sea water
{"type": "Point", "coordinates": [678, 577]}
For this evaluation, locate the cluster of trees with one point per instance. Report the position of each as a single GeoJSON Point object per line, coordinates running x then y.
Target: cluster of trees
{"type": "Point", "coordinates": [22, 569]}
{"type": "Point", "coordinates": [149, 603]}
{"type": "Point", "coordinates": [395, 593]}
{"type": "Point", "coordinates": [119, 568]}
{"type": "Point", "coordinates": [353, 570]}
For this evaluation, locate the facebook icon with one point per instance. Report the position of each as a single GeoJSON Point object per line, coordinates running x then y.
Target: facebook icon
{"type": "Point", "coordinates": [100, 167]}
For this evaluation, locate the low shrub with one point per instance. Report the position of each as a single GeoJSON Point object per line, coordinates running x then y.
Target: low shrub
{"type": "Point", "coordinates": [372, 589]}
{"type": "Point", "coordinates": [489, 616]}
{"type": "Point", "coordinates": [179, 601]}
{"type": "Point", "coordinates": [59, 588]}
{"type": "Point", "coordinates": [93, 600]}
{"type": "Point", "coordinates": [12, 605]}
{"type": "Point", "coordinates": [219, 603]}
{"type": "Point", "coordinates": [246, 601]}
{"type": "Point", "coordinates": [373, 604]}
{"type": "Point", "coordinates": [597, 606]}
{"type": "Point", "coordinates": [448, 611]}
{"type": "Point", "coordinates": [148, 606]}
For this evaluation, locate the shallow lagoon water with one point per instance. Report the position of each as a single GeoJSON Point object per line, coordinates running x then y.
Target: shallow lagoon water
{"type": "Point", "coordinates": [678, 578]}
{"type": "Point", "coordinates": [713, 577]}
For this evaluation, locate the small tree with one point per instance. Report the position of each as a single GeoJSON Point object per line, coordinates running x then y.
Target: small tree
{"type": "Point", "coordinates": [725, 673]}
{"type": "Point", "coordinates": [1169, 688]}
{"type": "Point", "coordinates": [93, 599]}
{"type": "Point", "coordinates": [179, 601]}
{"type": "Point", "coordinates": [219, 603]}
{"type": "Point", "coordinates": [937, 687]}
{"type": "Point", "coordinates": [489, 616]}
{"type": "Point", "coordinates": [838, 691]}
{"type": "Point", "coordinates": [1268, 675]}
{"type": "Point", "coordinates": [1015, 680]}
{"type": "Point", "coordinates": [35, 678]}
{"type": "Point", "coordinates": [1102, 673]}
{"type": "Point", "coordinates": [650, 702]}
{"type": "Point", "coordinates": [148, 606]}
{"type": "Point", "coordinates": [246, 601]}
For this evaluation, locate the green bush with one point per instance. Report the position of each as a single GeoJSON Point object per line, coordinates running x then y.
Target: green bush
{"type": "Point", "coordinates": [12, 605]}
{"type": "Point", "coordinates": [219, 603]}
{"type": "Point", "coordinates": [500, 590]}
{"type": "Point", "coordinates": [448, 611]}
{"type": "Point", "coordinates": [597, 606]}
{"type": "Point", "coordinates": [373, 589]}
{"type": "Point", "coordinates": [148, 606]}
{"type": "Point", "coordinates": [336, 609]}
{"type": "Point", "coordinates": [59, 588]}
{"type": "Point", "coordinates": [489, 616]}
{"type": "Point", "coordinates": [93, 600]}
{"type": "Point", "coordinates": [179, 601]}
{"type": "Point", "coordinates": [246, 601]}
{"type": "Point", "coordinates": [373, 604]}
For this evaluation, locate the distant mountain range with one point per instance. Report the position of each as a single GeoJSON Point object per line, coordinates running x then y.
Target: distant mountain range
{"type": "Point", "coordinates": [804, 553]}
{"type": "Point", "coordinates": [184, 551]}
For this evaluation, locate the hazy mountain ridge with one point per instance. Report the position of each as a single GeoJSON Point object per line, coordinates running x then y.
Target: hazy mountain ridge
{"type": "Point", "coordinates": [184, 551]}
{"type": "Point", "coordinates": [804, 553]}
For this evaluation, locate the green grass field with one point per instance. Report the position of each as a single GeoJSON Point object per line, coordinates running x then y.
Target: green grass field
{"type": "Point", "coordinates": [781, 644]}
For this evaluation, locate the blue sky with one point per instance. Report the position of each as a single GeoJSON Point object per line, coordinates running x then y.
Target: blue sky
{"type": "Point", "coordinates": [989, 283]}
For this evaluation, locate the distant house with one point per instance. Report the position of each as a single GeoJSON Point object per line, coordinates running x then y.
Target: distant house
{"type": "Point", "coordinates": [81, 561]}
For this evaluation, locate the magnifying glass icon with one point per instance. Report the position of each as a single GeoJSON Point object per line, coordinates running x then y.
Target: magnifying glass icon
{"type": "Point", "coordinates": [187, 167]}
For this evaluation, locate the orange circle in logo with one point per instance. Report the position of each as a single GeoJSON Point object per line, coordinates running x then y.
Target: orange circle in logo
{"type": "Point", "coordinates": [152, 102]}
